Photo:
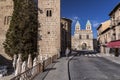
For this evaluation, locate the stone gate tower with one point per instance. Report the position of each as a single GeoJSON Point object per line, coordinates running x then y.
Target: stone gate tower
{"type": "Point", "coordinates": [83, 39]}
{"type": "Point", "coordinates": [49, 29]}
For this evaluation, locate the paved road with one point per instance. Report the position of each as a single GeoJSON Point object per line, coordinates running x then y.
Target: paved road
{"type": "Point", "coordinates": [93, 67]}
{"type": "Point", "coordinates": [56, 71]}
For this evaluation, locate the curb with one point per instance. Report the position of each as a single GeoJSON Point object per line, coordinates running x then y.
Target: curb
{"type": "Point", "coordinates": [69, 67]}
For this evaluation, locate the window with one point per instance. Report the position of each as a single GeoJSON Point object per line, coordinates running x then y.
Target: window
{"type": "Point", "coordinates": [113, 17]}
{"type": "Point", "coordinates": [80, 37]}
{"type": "Point", "coordinates": [87, 36]}
{"type": "Point", "coordinates": [49, 13]}
{"type": "Point", "coordinates": [7, 20]}
{"type": "Point", "coordinates": [48, 32]}
{"type": "Point", "coordinates": [119, 36]}
{"type": "Point", "coordinates": [88, 27]}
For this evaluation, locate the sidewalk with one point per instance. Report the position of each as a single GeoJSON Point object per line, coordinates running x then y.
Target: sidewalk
{"type": "Point", "coordinates": [111, 57]}
{"type": "Point", "coordinates": [7, 77]}
{"type": "Point", "coordinates": [56, 71]}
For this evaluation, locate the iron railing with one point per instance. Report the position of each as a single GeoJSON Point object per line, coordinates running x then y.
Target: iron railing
{"type": "Point", "coordinates": [29, 74]}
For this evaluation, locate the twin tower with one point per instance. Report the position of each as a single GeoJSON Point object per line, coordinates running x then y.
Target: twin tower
{"type": "Point", "coordinates": [82, 39]}
{"type": "Point", "coordinates": [88, 26]}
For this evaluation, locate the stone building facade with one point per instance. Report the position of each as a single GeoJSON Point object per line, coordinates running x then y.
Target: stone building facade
{"type": "Point", "coordinates": [65, 35]}
{"type": "Point", "coordinates": [6, 10]}
{"type": "Point", "coordinates": [104, 36]}
{"type": "Point", "coordinates": [49, 30]}
{"type": "Point", "coordinates": [83, 39]}
{"type": "Point", "coordinates": [109, 33]}
{"type": "Point", "coordinates": [115, 30]}
{"type": "Point", "coordinates": [115, 23]}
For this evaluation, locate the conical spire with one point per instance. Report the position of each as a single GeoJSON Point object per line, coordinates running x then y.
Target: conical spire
{"type": "Point", "coordinates": [77, 26]}
{"type": "Point", "coordinates": [88, 25]}
{"type": "Point", "coordinates": [88, 22]}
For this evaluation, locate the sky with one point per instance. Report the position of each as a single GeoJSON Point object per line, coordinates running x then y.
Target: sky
{"type": "Point", "coordinates": [97, 11]}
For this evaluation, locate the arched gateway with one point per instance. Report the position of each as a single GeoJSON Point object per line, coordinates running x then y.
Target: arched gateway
{"type": "Point", "coordinates": [83, 37]}
{"type": "Point", "coordinates": [84, 46]}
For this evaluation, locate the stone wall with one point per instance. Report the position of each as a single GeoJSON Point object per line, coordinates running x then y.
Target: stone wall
{"type": "Point", "coordinates": [49, 30]}
{"type": "Point", "coordinates": [6, 10]}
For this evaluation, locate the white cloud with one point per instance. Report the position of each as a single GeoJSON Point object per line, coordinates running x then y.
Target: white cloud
{"type": "Point", "coordinates": [75, 18]}
{"type": "Point", "coordinates": [95, 23]}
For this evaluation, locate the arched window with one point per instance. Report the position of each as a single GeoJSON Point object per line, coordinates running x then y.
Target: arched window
{"type": "Point", "coordinates": [47, 13]}
{"type": "Point", "coordinates": [88, 27]}
{"type": "Point", "coordinates": [80, 37]}
{"type": "Point", "coordinates": [87, 36]}
{"type": "Point", "coordinates": [7, 20]}
{"type": "Point", "coordinates": [50, 13]}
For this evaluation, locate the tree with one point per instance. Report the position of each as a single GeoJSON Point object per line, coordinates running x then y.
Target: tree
{"type": "Point", "coordinates": [21, 36]}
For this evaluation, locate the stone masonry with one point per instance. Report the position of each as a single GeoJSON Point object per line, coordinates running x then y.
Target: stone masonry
{"type": "Point", "coordinates": [49, 25]}
{"type": "Point", "coordinates": [49, 30]}
{"type": "Point", "coordinates": [6, 10]}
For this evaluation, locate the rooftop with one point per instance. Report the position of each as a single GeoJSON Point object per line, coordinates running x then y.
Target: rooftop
{"type": "Point", "coordinates": [116, 7]}
{"type": "Point", "coordinates": [105, 25]}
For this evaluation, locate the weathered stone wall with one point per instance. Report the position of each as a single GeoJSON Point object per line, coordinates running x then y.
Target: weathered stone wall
{"type": "Point", "coordinates": [6, 10]}
{"type": "Point", "coordinates": [49, 30]}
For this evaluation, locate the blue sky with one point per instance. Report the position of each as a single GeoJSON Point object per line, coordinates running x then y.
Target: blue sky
{"type": "Point", "coordinates": [94, 10]}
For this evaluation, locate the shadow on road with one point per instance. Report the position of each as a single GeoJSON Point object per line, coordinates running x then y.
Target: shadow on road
{"type": "Point", "coordinates": [8, 63]}
{"type": "Point", "coordinates": [78, 53]}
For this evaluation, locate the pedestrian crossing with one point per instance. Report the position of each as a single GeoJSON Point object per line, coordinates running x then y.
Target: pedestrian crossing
{"type": "Point", "coordinates": [90, 55]}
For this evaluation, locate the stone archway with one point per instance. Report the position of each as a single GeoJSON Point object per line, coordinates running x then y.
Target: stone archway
{"type": "Point", "coordinates": [84, 46]}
